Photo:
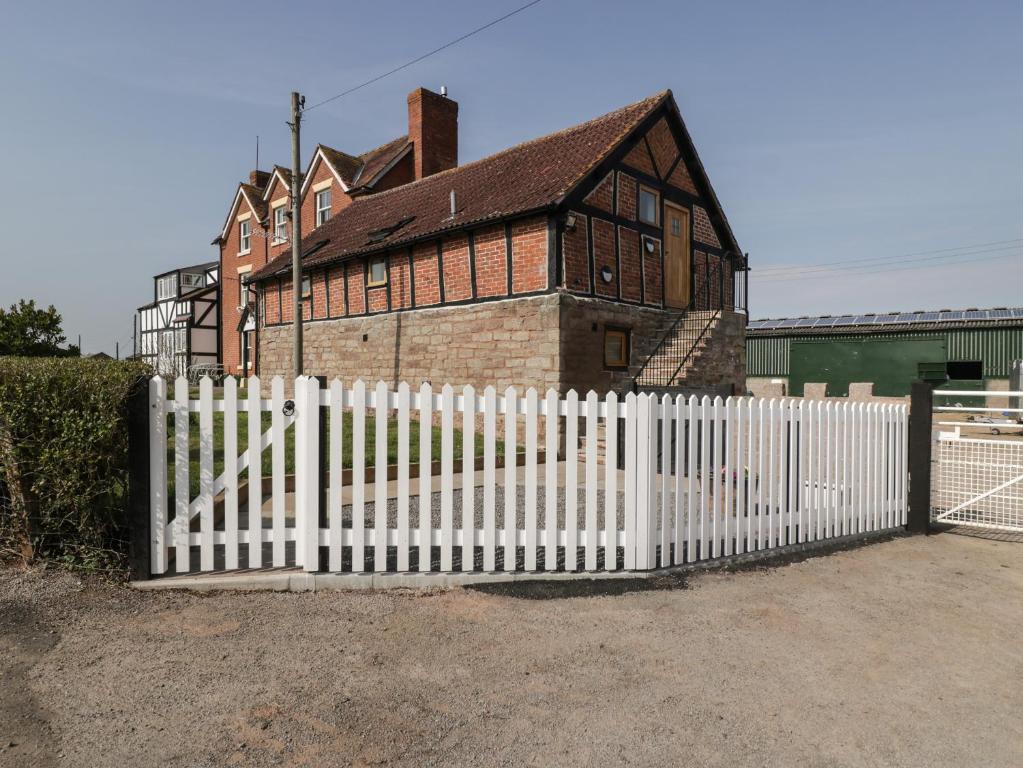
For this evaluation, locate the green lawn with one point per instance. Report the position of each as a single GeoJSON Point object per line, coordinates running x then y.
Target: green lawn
{"type": "Point", "coordinates": [289, 445]}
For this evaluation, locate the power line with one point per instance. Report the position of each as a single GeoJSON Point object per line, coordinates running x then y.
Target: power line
{"type": "Point", "coordinates": [850, 273]}
{"type": "Point", "coordinates": [852, 268]}
{"type": "Point", "coordinates": [769, 270]}
{"type": "Point", "coordinates": [416, 60]}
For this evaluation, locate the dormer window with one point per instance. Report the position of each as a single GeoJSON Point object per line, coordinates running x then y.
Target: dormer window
{"type": "Point", "coordinates": [280, 225]}
{"type": "Point", "coordinates": [244, 237]}
{"type": "Point", "coordinates": [191, 280]}
{"type": "Point", "coordinates": [322, 206]}
{"type": "Point", "coordinates": [167, 287]}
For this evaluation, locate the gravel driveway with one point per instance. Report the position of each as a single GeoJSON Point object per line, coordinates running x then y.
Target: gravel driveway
{"type": "Point", "coordinates": [905, 652]}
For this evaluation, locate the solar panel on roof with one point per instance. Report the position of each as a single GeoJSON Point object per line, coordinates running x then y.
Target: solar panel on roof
{"type": "Point", "coordinates": [999, 314]}
{"type": "Point", "coordinates": [885, 318]}
{"type": "Point", "coordinates": [929, 316]}
{"type": "Point", "coordinates": [805, 322]}
{"type": "Point", "coordinates": [845, 320]}
{"type": "Point", "coordinates": [1017, 312]}
{"type": "Point", "coordinates": [953, 315]}
{"type": "Point", "coordinates": [790, 323]}
{"type": "Point", "coordinates": [976, 314]}
{"type": "Point", "coordinates": [864, 319]}
{"type": "Point", "coordinates": [757, 324]}
{"type": "Point", "coordinates": [825, 322]}
{"type": "Point", "coordinates": [908, 317]}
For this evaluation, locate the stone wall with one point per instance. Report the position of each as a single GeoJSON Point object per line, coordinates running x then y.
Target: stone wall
{"type": "Point", "coordinates": [509, 342]}
{"type": "Point", "coordinates": [550, 341]}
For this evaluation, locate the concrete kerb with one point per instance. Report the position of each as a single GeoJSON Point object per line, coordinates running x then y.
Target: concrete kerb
{"type": "Point", "coordinates": [288, 580]}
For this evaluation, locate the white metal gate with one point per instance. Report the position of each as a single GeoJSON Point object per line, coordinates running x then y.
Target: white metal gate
{"type": "Point", "coordinates": [978, 465]}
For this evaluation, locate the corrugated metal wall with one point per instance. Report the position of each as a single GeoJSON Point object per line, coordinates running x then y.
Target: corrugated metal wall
{"type": "Point", "coordinates": [996, 347]}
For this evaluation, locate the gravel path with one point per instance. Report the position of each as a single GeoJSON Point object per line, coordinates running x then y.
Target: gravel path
{"type": "Point", "coordinates": [904, 653]}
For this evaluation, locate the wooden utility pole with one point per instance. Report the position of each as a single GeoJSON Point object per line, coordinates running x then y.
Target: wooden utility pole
{"type": "Point", "coordinates": [297, 103]}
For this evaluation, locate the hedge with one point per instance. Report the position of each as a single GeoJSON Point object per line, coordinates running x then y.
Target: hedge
{"type": "Point", "coordinates": [64, 459]}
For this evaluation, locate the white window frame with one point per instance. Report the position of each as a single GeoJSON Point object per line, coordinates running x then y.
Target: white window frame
{"type": "Point", "coordinates": [307, 286]}
{"type": "Point", "coordinates": [167, 287]}
{"type": "Point", "coordinates": [322, 211]}
{"type": "Point", "coordinates": [280, 225]}
{"type": "Point", "coordinates": [244, 237]}
{"type": "Point", "coordinates": [192, 280]}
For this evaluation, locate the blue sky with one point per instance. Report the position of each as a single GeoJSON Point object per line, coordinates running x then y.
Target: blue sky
{"type": "Point", "coordinates": [831, 131]}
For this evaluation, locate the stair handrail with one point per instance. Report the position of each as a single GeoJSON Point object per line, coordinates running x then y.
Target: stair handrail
{"type": "Point", "coordinates": [684, 315]}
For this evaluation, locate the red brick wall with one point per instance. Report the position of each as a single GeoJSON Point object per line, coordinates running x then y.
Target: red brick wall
{"type": "Point", "coordinates": [491, 262]}
{"type": "Point", "coordinates": [319, 285]}
{"type": "Point", "coordinates": [639, 159]}
{"type": "Point", "coordinates": [703, 230]}
{"type": "Point", "coordinates": [403, 172]}
{"type": "Point", "coordinates": [337, 291]}
{"type": "Point", "coordinates": [601, 195]}
{"type": "Point", "coordinates": [604, 255]}
{"type": "Point", "coordinates": [356, 286]}
{"type": "Point", "coordinates": [529, 255]}
{"type": "Point", "coordinates": [457, 277]}
{"type": "Point", "coordinates": [377, 299]}
{"type": "Point", "coordinates": [652, 283]}
{"type": "Point", "coordinates": [425, 272]}
{"type": "Point", "coordinates": [271, 303]}
{"type": "Point", "coordinates": [230, 261]}
{"type": "Point", "coordinates": [662, 146]}
{"type": "Point", "coordinates": [575, 251]}
{"type": "Point", "coordinates": [628, 245]}
{"type": "Point", "coordinates": [401, 286]}
{"type": "Point", "coordinates": [626, 196]}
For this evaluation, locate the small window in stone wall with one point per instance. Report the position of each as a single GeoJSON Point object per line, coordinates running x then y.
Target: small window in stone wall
{"type": "Point", "coordinates": [616, 348]}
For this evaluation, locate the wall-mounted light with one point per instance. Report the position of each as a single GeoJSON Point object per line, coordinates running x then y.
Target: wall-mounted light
{"type": "Point", "coordinates": [606, 274]}
{"type": "Point", "coordinates": [649, 243]}
{"type": "Point", "coordinates": [570, 222]}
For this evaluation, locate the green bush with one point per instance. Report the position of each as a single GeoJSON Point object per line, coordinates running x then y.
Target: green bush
{"type": "Point", "coordinates": [63, 459]}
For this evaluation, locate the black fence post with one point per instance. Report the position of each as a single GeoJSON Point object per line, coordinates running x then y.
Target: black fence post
{"type": "Point", "coordinates": [921, 409]}
{"type": "Point", "coordinates": [139, 540]}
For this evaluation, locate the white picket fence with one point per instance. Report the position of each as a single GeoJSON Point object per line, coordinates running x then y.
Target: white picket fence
{"type": "Point", "coordinates": [702, 478]}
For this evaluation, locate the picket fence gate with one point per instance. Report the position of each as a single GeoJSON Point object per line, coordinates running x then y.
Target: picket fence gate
{"type": "Point", "coordinates": [702, 478]}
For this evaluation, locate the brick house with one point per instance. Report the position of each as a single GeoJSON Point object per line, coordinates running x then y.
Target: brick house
{"type": "Point", "coordinates": [256, 229]}
{"type": "Point", "coordinates": [597, 257]}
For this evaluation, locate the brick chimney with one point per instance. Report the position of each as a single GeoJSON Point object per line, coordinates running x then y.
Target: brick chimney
{"type": "Point", "coordinates": [433, 131]}
{"type": "Point", "coordinates": [259, 178]}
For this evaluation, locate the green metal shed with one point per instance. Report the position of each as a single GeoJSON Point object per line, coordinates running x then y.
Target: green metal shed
{"type": "Point", "coordinates": [976, 345]}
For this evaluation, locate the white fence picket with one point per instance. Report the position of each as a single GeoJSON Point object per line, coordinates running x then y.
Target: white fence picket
{"type": "Point", "coordinates": [182, 491]}
{"type": "Point", "coordinates": [665, 485]}
{"type": "Point", "coordinates": [425, 476]}
{"type": "Point", "coordinates": [571, 480]}
{"type": "Point", "coordinates": [550, 489]}
{"type": "Point", "coordinates": [590, 559]}
{"type": "Point", "coordinates": [680, 475]}
{"type": "Point", "coordinates": [277, 472]}
{"type": "Point", "coordinates": [631, 413]}
{"type": "Point", "coordinates": [468, 477]}
{"type": "Point", "coordinates": [510, 486]}
{"type": "Point", "coordinates": [359, 476]}
{"type": "Point", "coordinates": [728, 478]}
{"type": "Point", "coordinates": [380, 479]}
{"type": "Point", "coordinates": [231, 472]}
{"type": "Point", "coordinates": [692, 504]}
{"type": "Point", "coordinates": [611, 503]}
{"type": "Point", "coordinates": [447, 482]}
{"type": "Point", "coordinates": [254, 410]}
{"type": "Point", "coordinates": [158, 475]}
{"type": "Point", "coordinates": [335, 520]}
{"type": "Point", "coordinates": [530, 511]}
{"type": "Point", "coordinates": [490, 479]}
{"type": "Point", "coordinates": [404, 404]}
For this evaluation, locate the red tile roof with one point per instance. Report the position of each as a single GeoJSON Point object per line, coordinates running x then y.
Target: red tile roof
{"type": "Point", "coordinates": [528, 177]}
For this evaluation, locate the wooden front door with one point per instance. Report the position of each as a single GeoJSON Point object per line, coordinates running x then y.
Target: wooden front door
{"type": "Point", "coordinates": [676, 256]}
